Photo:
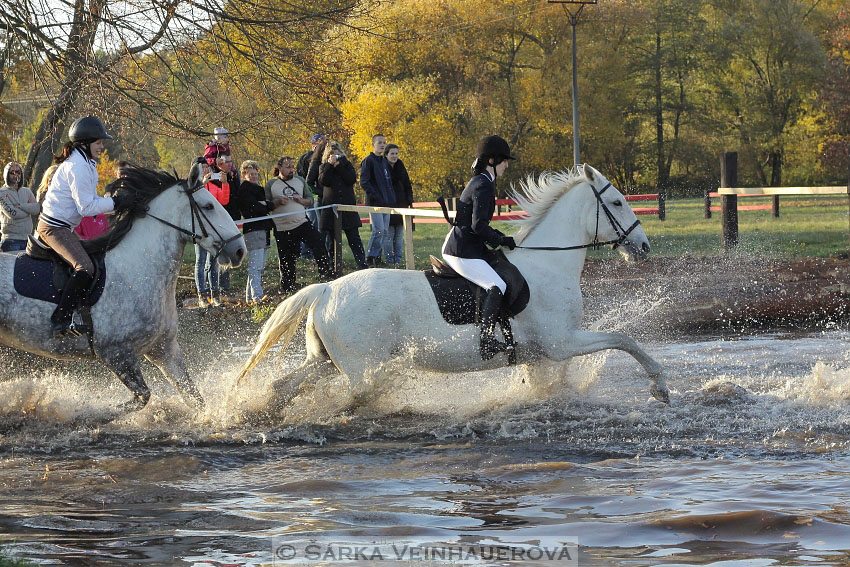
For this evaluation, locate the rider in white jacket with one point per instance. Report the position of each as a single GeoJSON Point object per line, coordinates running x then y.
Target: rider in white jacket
{"type": "Point", "coordinates": [71, 196]}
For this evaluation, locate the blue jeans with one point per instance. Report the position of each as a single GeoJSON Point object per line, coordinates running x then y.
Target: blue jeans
{"type": "Point", "coordinates": [256, 265]}
{"type": "Point", "coordinates": [378, 240]}
{"type": "Point", "coordinates": [396, 244]}
{"type": "Point", "coordinates": [11, 245]}
{"type": "Point", "coordinates": [206, 273]}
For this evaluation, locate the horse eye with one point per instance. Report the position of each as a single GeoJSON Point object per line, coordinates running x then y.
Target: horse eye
{"type": "Point", "coordinates": [209, 207]}
{"type": "Point", "coordinates": [617, 203]}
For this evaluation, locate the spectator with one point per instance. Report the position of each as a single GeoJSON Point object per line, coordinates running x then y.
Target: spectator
{"type": "Point", "coordinates": [337, 178]}
{"type": "Point", "coordinates": [206, 270]}
{"type": "Point", "coordinates": [17, 205]}
{"type": "Point", "coordinates": [226, 190]}
{"type": "Point", "coordinates": [378, 185]}
{"type": "Point", "coordinates": [308, 168]}
{"type": "Point", "coordinates": [219, 145]}
{"type": "Point", "coordinates": [45, 183]}
{"type": "Point", "coordinates": [403, 198]}
{"type": "Point", "coordinates": [290, 194]}
{"type": "Point", "coordinates": [252, 203]}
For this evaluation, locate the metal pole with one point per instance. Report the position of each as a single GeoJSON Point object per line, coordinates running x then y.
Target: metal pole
{"type": "Point", "coordinates": [574, 17]}
{"type": "Point", "coordinates": [576, 153]}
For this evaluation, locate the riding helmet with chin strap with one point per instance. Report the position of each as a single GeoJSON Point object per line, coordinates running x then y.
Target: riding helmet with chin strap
{"type": "Point", "coordinates": [494, 147]}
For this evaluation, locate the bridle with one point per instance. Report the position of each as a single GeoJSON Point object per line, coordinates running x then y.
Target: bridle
{"type": "Point", "coordinates": [622, 233]}
{"type": "Point", "coordinates": [202, 222]}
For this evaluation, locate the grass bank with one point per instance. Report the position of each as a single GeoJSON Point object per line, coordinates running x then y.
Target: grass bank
{"type": "Point", "coordinates": [807, 227]}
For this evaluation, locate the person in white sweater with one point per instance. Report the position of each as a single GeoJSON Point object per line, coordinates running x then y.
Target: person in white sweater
{"type": "Point", "coordinates": [17, 205]}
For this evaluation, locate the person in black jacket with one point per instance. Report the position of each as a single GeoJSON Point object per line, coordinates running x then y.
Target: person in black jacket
{"type": "Point", "coordinates": [308, 168]}
{"type": "Point", "coordinates": [378, 184]}
{"type": "Point", "coordinates": [403, 199]}
{"type": "Point", "coordinates": [253, 204]}
{"type": "Point", "coordinates": [337, 178]}
{"type": "Point", "coordinates": [465, 246]}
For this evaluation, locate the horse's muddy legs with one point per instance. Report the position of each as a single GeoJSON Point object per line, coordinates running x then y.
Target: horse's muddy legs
{"type": "Point", "coordinates": [125, 365]}
{"type": "Point", "coordinates": [168, 357]}
{"type": "Point", "coordinates": [586, 342]}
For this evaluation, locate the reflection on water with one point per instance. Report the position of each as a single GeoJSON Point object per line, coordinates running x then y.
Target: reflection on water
{"type": "Point", "coordinates": [747, 466]}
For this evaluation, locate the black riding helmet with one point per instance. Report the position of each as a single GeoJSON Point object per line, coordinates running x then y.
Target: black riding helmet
{"type": "Point", "coordinates": [493, 147]}
{"type": "Point", "coordinates": [88, 129]}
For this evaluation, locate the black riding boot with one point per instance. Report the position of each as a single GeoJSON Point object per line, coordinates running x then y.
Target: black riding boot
{"type": "Point", "coordinates": [72, 295]}
{"type": "Point", "coordinates": [490, 309]}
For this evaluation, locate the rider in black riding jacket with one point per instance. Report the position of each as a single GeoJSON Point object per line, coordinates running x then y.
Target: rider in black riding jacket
{"type": "Point", "coordinates": [464, 248]}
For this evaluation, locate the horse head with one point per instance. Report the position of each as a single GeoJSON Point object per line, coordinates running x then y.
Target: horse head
{"type": "Point", "coordinates": [184, 206]}
{"type": "Point", "coordinates": [613, 220]}
{"type": "Point", "coordinates": [578, 209]}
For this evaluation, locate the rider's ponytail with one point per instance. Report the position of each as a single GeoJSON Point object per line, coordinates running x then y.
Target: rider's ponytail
{"type": "Point", "coordinates": [69, 147]}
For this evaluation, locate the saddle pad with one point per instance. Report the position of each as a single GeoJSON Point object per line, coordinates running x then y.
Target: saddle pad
{"type": "Point", "coordinates": [459, 299]}
{"type": "Point", "coordinates": [37, 279]}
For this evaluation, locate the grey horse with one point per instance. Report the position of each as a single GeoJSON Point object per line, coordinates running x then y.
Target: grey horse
{"type": "Point", "coordinates": [136, 314]}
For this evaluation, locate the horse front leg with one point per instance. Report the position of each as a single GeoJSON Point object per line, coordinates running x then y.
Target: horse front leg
{"type": "Point", "coordinates": [586, 342]}
{"type": "Point", "coordinates": [168, 357]}
{"type": "Point", "coordinates": [125, 365]}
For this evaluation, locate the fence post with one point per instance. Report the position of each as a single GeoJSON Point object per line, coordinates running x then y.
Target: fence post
{"type": "Point", "coordinates": [407, 225]}
{"type": "Point", "coordinates": [337, 251]}
{"type": "Point", "coordinates": [776, 206]}
{"type": "Point", "coordinates": [729, 203]}
{"type": "Point", "coordinates": [662, 210]}
{"type": "Point", "coordinates": [707, 201]}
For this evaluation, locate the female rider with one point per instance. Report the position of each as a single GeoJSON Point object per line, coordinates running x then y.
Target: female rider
{"type": "Point", "coordinates": [72, 194]}
{"type": "Point", "coordinates": [464, 248]}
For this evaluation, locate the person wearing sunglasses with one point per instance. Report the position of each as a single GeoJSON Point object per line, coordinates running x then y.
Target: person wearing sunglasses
{"type": "Point", "coordinates": [17, 206]}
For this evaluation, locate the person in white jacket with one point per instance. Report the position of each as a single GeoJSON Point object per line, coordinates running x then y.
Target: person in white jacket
{"type": "Point", "coordinates": [17, 205]}
{"type": "Point", "coordinates": [72, 195]}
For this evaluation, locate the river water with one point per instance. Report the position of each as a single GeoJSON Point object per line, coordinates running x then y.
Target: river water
{"type": "Point", "coordinates": [748, 466]}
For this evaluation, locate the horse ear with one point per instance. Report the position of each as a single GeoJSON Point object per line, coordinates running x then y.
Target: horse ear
{"type": "Point", "coordinates": [195, 174]}
{"type": "Point", "coordinates": [589, 172]}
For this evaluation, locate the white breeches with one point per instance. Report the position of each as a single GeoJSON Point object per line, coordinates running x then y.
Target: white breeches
{"type": "Point", "coordinates": [477, 271]}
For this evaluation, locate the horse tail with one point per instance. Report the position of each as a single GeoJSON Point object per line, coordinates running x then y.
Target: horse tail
{"type": "Point", "coordinates": [283, 323]}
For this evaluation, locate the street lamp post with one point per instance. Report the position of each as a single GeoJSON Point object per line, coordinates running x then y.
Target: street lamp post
{"type": "Point", "coordinates": [574, 16]}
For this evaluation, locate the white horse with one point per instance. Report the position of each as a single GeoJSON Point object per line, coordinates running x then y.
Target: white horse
{"type": "Point", "coordinates": [136, 314]}
{"type": "Point", "coordinates": [360, 322]}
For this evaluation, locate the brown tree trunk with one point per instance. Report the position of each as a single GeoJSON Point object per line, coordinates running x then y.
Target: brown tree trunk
{"type": "Point", "coordinates": [75, 62]}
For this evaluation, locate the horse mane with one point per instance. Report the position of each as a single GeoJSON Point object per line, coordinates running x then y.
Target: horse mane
{"type": "Point", "coordinates": [536, 196]}
{"type": "Point", "coordinates": [144, 185]}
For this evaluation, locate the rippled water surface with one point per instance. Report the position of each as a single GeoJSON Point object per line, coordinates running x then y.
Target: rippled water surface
{"type": "Point", "coordinates": [748, 466]}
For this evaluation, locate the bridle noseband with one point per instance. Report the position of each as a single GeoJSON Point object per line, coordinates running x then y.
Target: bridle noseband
{"type": "Point", "coordinates": [202, 220]}
{"type": "Point", "coordinates": [622, 233]}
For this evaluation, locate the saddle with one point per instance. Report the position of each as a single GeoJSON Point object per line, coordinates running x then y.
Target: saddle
{"type": "Point", "coordinates": [41, 274]}
{"type": "Point", "coordinates": [459, 300]}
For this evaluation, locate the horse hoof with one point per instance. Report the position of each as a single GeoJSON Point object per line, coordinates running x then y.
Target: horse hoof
{"type": "Point", "coordinates": [133, 405]}
{"type": "Point", "coordinates": [660, 393]}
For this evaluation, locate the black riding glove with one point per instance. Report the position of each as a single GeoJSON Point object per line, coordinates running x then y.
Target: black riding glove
{"type": "Point", "coordinates": [508, 241]}
{"type": "Point", "coordinates": [122, 200]}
